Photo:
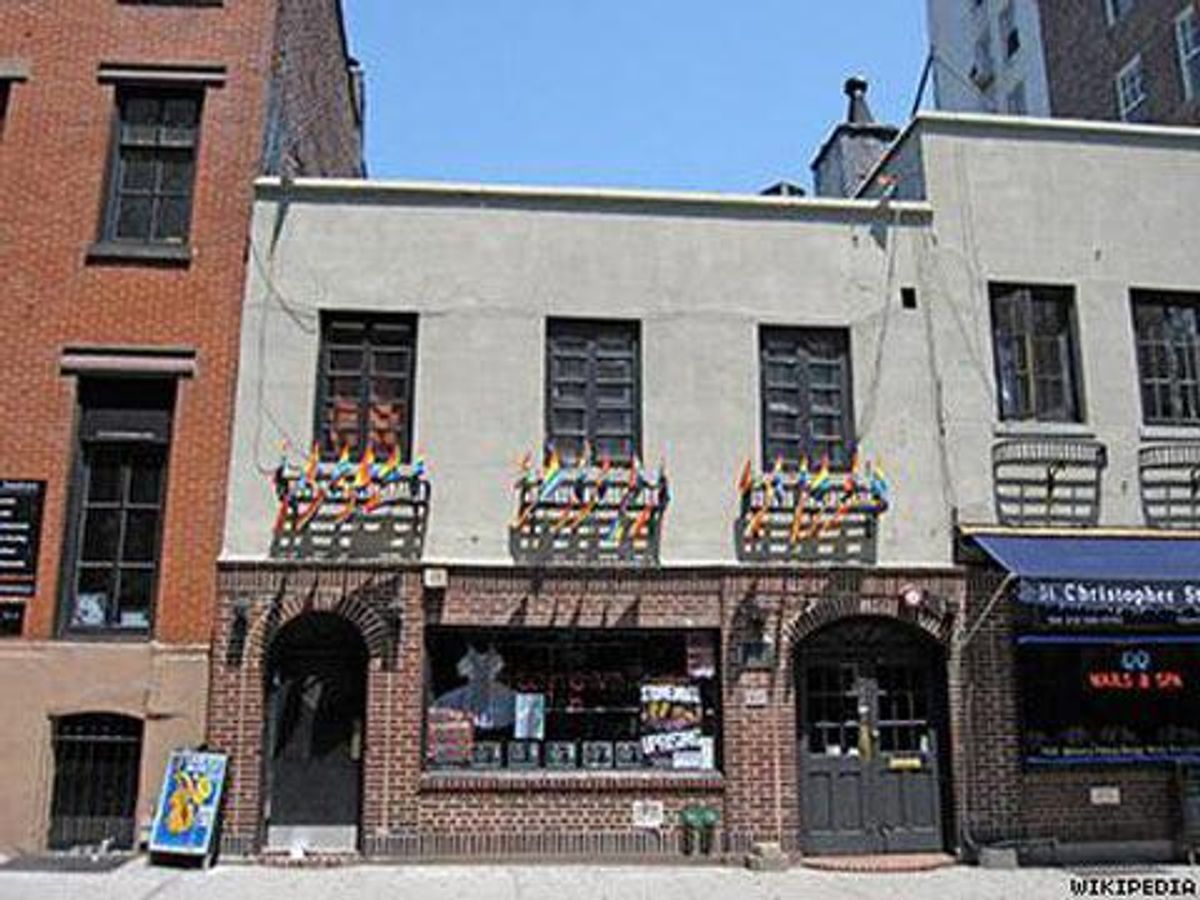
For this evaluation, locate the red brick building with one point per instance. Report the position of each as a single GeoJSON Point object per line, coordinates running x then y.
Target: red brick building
{"type": "Point", "coordinates": [130, 135]}
{"type": "Point", "coordinates": [1125, 60]}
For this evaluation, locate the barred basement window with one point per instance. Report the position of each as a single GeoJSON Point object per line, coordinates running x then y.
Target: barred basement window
{"type": "Point", "coordinates": [1167, 328]}
{"type": "Point", "coordinates": [365, 389]}
{"type": "Point", "coordinates": [1033, 332]}
{"type": "Point", "coordinates": [807, 403]}
{"type": "Point", "coordinates": [153, 168]}
{"type": "Point", "coordinates": [593, 388]}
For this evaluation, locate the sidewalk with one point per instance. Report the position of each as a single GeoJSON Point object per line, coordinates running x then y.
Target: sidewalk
{"type": "Point", "coordinates": [138, 881]}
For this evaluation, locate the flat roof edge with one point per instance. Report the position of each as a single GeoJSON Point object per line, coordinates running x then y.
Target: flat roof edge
{"type": "Point", "coordinates": [365, 189]}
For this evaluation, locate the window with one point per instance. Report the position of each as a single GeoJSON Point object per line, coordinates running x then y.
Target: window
{"type": "Point", "coordinates": [1034, 342]}
{"type": "Point", "coordinates": [118, 496]}
{"type": "Point", "coordinates": [983, 71]}
{"type": "Point", "coordinates": [153, 166]}
{"type": "Point", "coordinates": [4, 89]}
{"type": "Point", "coordinates": [593, 388]}
{"type": "Point", "coordinates": [807, 405]}
{"type": "Point", "coordinates": [1009, 31]}
{"type": "Point", "coordinates": [1115, 10]}
{"type": "Point", "coordinates": [365, 393]}
{"type": "Point", "coordinates": [1131, 92]}
{"type": "Point", "coordinates": [97, 761]}
{"type": "Point", "coordinates": [568, 699]}
{"type": "Point", "coordinates": [1187, 39]}
{"type": "Point", "coordinates": [1167, 329]}
{"type": "Point", "coordinates": [1015, 102]}
{"type": "Point", "coordinates": [1093, 701]}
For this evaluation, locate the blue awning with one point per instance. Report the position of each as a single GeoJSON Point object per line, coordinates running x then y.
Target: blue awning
{"type": "Point", "coordinates": [1095, 558]}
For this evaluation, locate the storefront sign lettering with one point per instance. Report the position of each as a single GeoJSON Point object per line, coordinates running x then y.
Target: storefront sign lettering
{"type": "Point", "coordinates": [20, 531]}
{"type": "Point", "coordinates": [1112, 595]}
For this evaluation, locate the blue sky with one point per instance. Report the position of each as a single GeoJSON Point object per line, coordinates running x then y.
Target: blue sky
{"type": "Point", "coordinates": [700, 95]}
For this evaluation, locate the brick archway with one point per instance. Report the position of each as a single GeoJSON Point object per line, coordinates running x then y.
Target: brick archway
{"type": "Point", "coordinates": [355, 608]}
{"type": "Point", "coordinates": [935, 622]}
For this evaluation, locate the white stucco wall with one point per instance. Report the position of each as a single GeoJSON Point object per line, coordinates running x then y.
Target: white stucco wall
{"type": "Point", "coordinates": [483, 272]}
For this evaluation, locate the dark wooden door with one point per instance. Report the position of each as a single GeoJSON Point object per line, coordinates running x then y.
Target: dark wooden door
{"type": "Point", "coordinates": [317, 711]}
{"type": "Point", "coordinates": [868, 748]}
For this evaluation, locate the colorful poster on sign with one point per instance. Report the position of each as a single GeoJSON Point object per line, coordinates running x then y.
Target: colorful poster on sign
{"type": "Point", "coordinates": [671, 719]}
{"type": "Point", "coordinates": [186, 816]}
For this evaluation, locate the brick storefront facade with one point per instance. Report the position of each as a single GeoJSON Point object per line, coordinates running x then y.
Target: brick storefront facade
{"type": "Point", "coordinates": [60, 297]}
{"type": "Point", "coordinates": [408, 812]}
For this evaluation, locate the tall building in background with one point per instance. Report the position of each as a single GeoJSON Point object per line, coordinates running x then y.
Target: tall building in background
{"type": "Point", "coordinates": [1127, 60]}
{"type": "Point", "coordinates": [987, 56]}
{"type": "Point", "coordinates": [130, 137]}
{"type": "Point", "coordinates": [1133, 60]}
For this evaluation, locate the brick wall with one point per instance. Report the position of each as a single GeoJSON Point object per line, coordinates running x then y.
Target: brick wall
{"type": "Point", "coordinates": [53, 160]}
{"type": "Point", "coordinates": [408, 812]}
{"type": "Point", "coordinates": [1084, 55]}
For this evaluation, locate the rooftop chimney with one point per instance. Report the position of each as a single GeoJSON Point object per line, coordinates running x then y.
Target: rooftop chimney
{"type": "Point", "coordinates": [853, 148]}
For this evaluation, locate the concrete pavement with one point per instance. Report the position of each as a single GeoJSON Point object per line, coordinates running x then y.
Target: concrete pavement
{"type": "Point", "coordinates": [139, 881]}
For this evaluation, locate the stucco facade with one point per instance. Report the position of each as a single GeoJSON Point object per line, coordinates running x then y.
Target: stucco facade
{"type": "Point", "coordinates": [959, 205]}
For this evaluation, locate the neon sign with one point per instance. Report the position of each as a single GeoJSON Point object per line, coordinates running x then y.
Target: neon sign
{"type": "Point", "coordinates": [1136, 673]}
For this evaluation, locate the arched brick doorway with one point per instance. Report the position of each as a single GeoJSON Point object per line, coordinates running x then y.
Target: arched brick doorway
{"type": "Point", "coordinates": [872, 737]}
{"type": "Point", "coordinates": [314, 732]}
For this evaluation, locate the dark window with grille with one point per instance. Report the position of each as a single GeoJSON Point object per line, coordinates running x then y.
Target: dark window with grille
{"type": "Point", "coordinates": [807, 402]}
{"type": "Point", "coordinates": [1033, 333]}
{"type": "Point", "coordinates": [117, 507]}
{"type": "Point", "coordinates": [593, 389]}
{"type": "Point", "coordinates": [366, 384]}
{"type": "Point", "coordinates": [1167, 328]}
{"type": "Point", "coordinates": [154, 165]}
{"type": "Point", "coordinates": [97, 759]}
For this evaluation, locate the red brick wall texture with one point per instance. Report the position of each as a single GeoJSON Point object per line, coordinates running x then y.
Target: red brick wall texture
{"type": "Point", "coordinates": [53, 155]}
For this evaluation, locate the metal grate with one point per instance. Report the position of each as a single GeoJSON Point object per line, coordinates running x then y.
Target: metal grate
{"type": "Point", "coordinates": [1170, 482]}
{"type": "Point", "coordinates": [590, 516]}
{"type": "Point", "coordinates": [1048, 482]}
{"type": "Point", "coordinates": [97, 759]}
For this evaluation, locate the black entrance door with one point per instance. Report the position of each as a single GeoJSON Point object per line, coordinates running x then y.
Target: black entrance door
{"type": "Point", "coordinates": [317, 706]}
{"type": "Point", "coordinates": [869, 719]}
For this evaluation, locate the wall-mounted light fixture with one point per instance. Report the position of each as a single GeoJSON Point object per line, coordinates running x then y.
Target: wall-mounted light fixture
{"type": "Point", "coordinates": [757, 649]}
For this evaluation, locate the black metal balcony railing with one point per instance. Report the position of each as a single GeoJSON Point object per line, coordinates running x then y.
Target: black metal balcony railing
{"type": "Point", "coordinates": [351, 510]}
{"type": "Point", "coordinates": [588, 513]}
{"type": "Point", "coordinates": [1048, 481]}
{"type": "Point", "coordinates": [801, 516]}
{"type": "Point", "coordinates": [1170, 485]}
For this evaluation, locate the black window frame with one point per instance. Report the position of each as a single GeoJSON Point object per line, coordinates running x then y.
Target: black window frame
{"type": "Point", "coordinates": [158, 149]}
{"type": "Point", "coordinates": [1175, 383]}
{"type": "Point", "coordinates": [592, 332]}
{"type": "Point", "coordinates": [369, 322]}
{"type": "Point", "coordinates": [140, 432]}
{"type": "Point", "coordinates": [806, 341]}
{"type": "Point", "coordinates": [1028, 406]}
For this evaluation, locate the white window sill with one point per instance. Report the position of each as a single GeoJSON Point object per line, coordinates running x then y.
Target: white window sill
{"type": "Point", "coordinates": [1169, 432]}
{"type": "Point", "coordinates": [1077, 430]}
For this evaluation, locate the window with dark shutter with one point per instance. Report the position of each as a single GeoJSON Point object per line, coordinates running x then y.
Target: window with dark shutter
{"type": "Point", "coordinates": [1034, 341]}
{"type": "Point", "coordinates": [365, 393]}
{"type": "Point", "coordinates": [153, 167]}
{"type": "Point", "coordinates": [1167, 328]}
{"type": "Point", "coordinates": [593, 389]}
{"type": "Point", "coordinates": [807, 404]}
{"type": "Point", "coordinates": [113, 542]}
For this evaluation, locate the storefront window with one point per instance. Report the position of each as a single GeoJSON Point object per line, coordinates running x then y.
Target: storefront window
{"type": "Point", "coordinates": [1099, 700]}
{"type": "Point", "coordinates": [579, 699]}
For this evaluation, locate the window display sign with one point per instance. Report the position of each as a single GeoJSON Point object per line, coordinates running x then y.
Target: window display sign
{"type": "Point", "coordinates": [525, 699]}
{"type": "Point", "coordinates": [186, 815]}
{"type": "Point", "coordinates": [1106, 700]}
{"type": "Point", "coordinates": [1095, 603]}
{"type": "Point", "coordinates": [20, 532]}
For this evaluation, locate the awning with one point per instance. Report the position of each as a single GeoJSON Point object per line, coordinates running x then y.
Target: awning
{"type": "Point", "coordinates": [1102, 580]}
{"type": "Point", "coordinates": [1095, 559]}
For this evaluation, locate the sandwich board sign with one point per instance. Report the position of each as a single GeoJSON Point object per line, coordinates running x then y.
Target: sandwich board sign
{"type": "Point", "coordinates": [186, 815]}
